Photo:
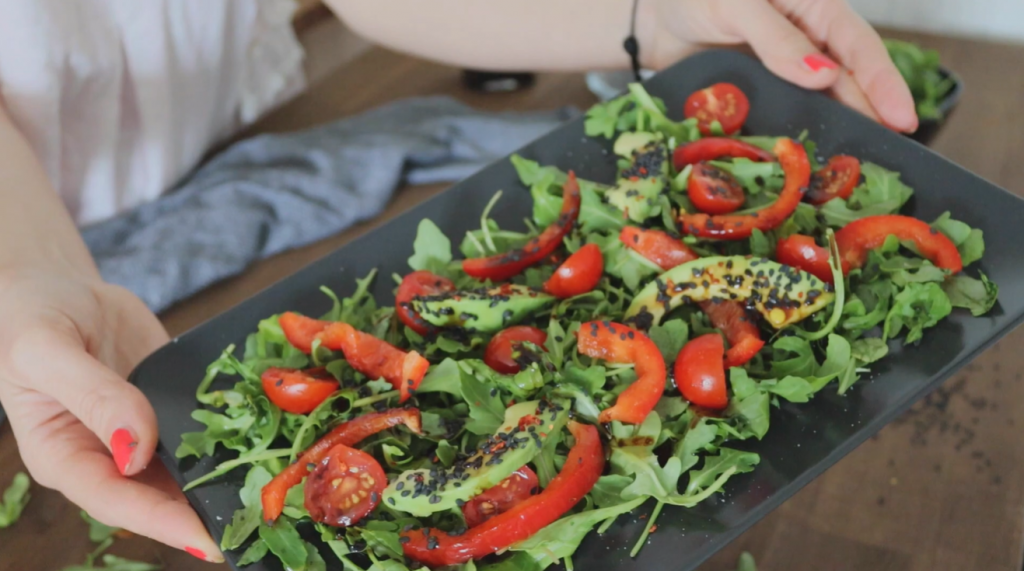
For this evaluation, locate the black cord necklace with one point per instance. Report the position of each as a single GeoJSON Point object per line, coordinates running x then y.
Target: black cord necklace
{"type": "Point", "coordinates": [631, 46]}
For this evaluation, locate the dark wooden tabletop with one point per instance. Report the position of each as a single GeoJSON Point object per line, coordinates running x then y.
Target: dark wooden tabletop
{"type": "Point", "coordinates": [941, 489]}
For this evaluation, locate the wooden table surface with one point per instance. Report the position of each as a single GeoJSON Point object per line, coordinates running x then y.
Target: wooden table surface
{"type": "Point", "coordinates": [940, 489]}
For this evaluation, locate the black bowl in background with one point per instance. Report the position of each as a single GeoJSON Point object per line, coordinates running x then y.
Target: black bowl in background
{"type": "Point", "coordinates": [929, 128]}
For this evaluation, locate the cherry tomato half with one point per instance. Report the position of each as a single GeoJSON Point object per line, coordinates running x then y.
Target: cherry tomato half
{"type": "Point", "coordinates": [418, 283]}
{"type": "Point", "coordinates": [296, 391]}
{"type": "Point", "coordinates": [801, 252]}
{"type": "Point", "coordinates": [344, 487]}
{"type": "Point", "coordinates": [714, 191]}
{"type": "Point", "coordinates": [700, 372]}
{"type": "Point", "coordinates": [837, 179]}
{"type": "Point", "coordinates": [578, 274]}
{"type": "Point", "coordinates": [520, 485]}
{"type": "Point", "coordinates": [722, 102]}
{"type": "Point", "coordinates": [499, 354]}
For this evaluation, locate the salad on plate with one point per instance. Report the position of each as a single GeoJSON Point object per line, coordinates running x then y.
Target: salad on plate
{"type": "Point", "coordinates": [538, 383]}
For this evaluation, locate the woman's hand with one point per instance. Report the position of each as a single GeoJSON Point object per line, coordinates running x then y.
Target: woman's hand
{"type": "Point", "coordinates": [816, 44]}
{"type": "Point", "coordinates": [67, 342]}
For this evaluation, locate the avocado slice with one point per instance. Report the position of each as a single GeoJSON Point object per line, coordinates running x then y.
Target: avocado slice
{"type": "Point", "coordinates": [783, 295]}
{"type": "Point", "coordinates": [485, 309]}
{"type": "Point", "coordinates": [640, 183]}
{"type": "Point", "coordinates": [521, 437]}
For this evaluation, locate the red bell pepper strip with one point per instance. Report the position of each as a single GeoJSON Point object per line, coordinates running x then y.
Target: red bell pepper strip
{"type": "Point", "coordinates": [711, 148]}
{"type": "Point", "coordinates": [657, 246]}
{"type": "Point", "coordinates": [349, 434]}
{"type": "Point", "coordinates": [860, 236]}
{"type": "Point", "coordinates": [617, 343]}
{"type": "Point", "coordinates": [797, 169]}
{"type": "Point", "coordinates": [375, 358]}
{"type": "Point", "coordinates": [418, 283]}
{"type": "Point", "coordinates": [301, 330]}
{"type": "Point", "coordinates": [732, 319]}
{"type": "Point", "coordinates": [580, 472]}
{"type": "Point", "coordinates": [501, 267]}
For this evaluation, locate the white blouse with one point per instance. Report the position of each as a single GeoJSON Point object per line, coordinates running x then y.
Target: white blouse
{"type": "Point", "coordinates": [121, 98]}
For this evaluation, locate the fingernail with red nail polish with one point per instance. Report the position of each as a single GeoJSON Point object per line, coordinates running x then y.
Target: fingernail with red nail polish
{"type": "Point", "coordinates": [818, 62]}
{"type": "Point", "coordinates": [195, 553]}
{"type": "Point", "coordinates": [122, 446]}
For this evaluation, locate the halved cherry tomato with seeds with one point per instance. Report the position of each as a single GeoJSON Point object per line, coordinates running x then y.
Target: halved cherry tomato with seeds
{"type": "Point", "coordinates": [419, 283]}
{"type": "Point", "coordinates": [344, 487]}
{"type": "Point", "coordinates": [659, 247]}
{"type": "Point", "coordinates": [522, 484]}
{"type": "Point", "coordinates": [722, 102]}
{"type": "Point", "coordinates": [837, 179]}
{"type": "Point", "coordinates": [297, 391]}
{"type": "Point", "coordinates": [714, 191]}
{"type": "Point", "coordinates": [578, 274]}
{"type": "Point", "coordinates": [700, 372]}
{"type": "Point", "coordinates": [500, 354]}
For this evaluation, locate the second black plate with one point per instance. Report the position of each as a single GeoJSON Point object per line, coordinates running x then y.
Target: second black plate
{"type": "Point", "coordinates": [803, 441]}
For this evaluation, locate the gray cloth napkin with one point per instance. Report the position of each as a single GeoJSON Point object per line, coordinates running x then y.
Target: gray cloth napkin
{"type": "Point", "coordinates": [271, 193]}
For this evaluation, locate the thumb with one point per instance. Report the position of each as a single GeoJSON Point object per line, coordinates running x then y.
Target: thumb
{"type": "Point", "coordinates": [56, 363]}
{"type": "Point", "coordinates": [781, 45]}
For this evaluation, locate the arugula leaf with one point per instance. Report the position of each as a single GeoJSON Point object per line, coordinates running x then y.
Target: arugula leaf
{"type": "Point", "coordinates": [727, 462]}
{"type": "Point", "coordinates": [754, 176]}
{"type": "Point", "coordinates": [14, 500]}
{"type": "Point", "coordinates": [432, 250]}
{"type": "Point", "coordinates": [247, 519]}
{"type": "Point", "coordinates": [651, 113]}
{"type": "Point", "coordinates": [603, 118]}
{"type": "Point", "coordinates": [751, 411]}
{"type": "Point", "coordinates": [979, 296]}
{"type": "Point", "coordinates": [760, 245]}
{"type": "Point", "coordinates": [969, 241]}
{"type": "Point", "coordinates": [881, 193]}
{"type": "Point", "coordinates": [486, 412]}
{"type": "Point", "coordinates": [622, 262]}
{"type": "Point", "coordinates": [868, 307]}
{"type": "Point", "coordinates": [608, 490]}
{"type": "Point", "coordinates": [793, 389]}
{"type": "Point", "coordinates": [917, 307]}
{"type": "Point", "coordinates": [563, 537]}
{"type": "Point", "coordinates": [284, 541]}
{"type": "Point", "coordinates": [595, 215]}
{"type": "Point", "coordinates": [802, 362]}
{"type": "Point", "coordinates": [256, 552]}
{"type": "Point", "coordinates": [445, 377]}
{"type": "Point", "coordinates": [670, 337]}
{"type": "Point", "coordinates": [697, 439]}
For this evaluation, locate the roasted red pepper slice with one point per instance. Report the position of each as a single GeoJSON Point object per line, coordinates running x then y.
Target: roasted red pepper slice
{"type": "Point", "coordinates": [803, 253]}
{"type": "Point", "coordinates": [712, 148]}
{"type": "Point", "coordinates": [657, 246]}
{"type": "Point", "coordinates": [700, 372]}
{"type": "Point", "coordinates": [793, 159]}
{"type": "Point", "coordinates": [522, 484]}
{"type": "Point", "coordinates": [732, 319]}
{"type": "Point", "coordinates": [418, 283]}
{"type": "Point", "coordinates": [297, 391]}
{"type": "Point", "coordinates": [578, 274]}
{"type": "Point", "coordinates": [503, 266]}
{"type": "Point", "coordinates": [349, 434]}
{"type": "Point", "coordinates": [837, 179]}
{"type": "Point", "coordinates": [860, 236]}
{"type": "Point", "coordinates": [301, 330]}
{"type": "Point", "coordinates": [580, 472]}
{"type": "Point", "coordinates": [375, 358]}
{"type": "Point", "coordinates": [617, 343]}
{"type": "Point", "coordinates": [714, 191]}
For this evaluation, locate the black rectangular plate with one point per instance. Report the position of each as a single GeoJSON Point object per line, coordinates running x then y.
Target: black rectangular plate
{"type": "Point", "coordinates": [804, 440]}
